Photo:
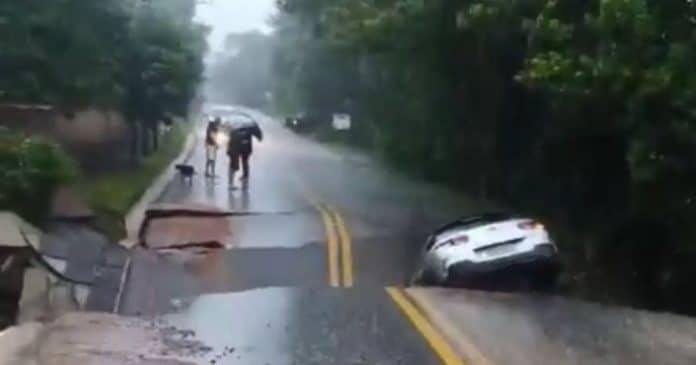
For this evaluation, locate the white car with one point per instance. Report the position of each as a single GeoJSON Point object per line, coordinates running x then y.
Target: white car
{"type": "Point", "coordinates": [478, 246]}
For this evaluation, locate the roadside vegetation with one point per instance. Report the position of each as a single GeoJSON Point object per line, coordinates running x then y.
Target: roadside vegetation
{"type": "Point", "coordinates": [581, 112]}
{"type": "Point", "coordinates": [115, 193]}
{"type": "Point", "coordinates": [30, 170]}
{"type": "Point", "coordinates": [142, 59]}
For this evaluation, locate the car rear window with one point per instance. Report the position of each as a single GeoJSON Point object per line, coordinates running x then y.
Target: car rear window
{"type": "Point", "coordinates": [474, 221]}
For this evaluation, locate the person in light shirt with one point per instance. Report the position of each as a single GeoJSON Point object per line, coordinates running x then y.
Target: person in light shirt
{"type": "Point", "coordinates": [211, 146]}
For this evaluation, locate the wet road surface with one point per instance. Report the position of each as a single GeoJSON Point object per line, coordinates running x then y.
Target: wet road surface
{"type": "Point", "coordinates": [319, 233]}
{"type": "Point", "coordinates": [304, 326]}
{"type": "Point", "coordinates": [529, 329]}
{"type": "Point", "coordinates": [275, 294]}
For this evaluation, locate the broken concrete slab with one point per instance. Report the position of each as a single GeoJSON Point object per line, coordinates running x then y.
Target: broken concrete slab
{"type": "Point", "coordinates": [84, 250]}
{"type": "Point", "coordinates": [93, 338]}
{"type": "Point", "coordinates": [11, 228]}
{"type": "Point", "coordinates": [67, 257]}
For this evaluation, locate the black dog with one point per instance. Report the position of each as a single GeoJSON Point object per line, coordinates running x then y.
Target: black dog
{"type": "Point", "coordinates": [186, 172]}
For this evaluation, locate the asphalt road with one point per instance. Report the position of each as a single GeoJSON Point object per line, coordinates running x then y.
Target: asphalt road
{"type": "Point", "coordinates": [311, 267]}
{"type": "Point", "coordinates": [289, 290]}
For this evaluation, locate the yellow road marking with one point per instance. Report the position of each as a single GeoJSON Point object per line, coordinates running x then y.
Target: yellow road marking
{"type": "Point", "coordinates": [338, 240]}
{"type": "Point", "coordinates": [332, 246]}
{"type": "Point", "coordinates": [455, 335]}
{"type": "Point", "coordinates": [437, 343]}
{"type": "Point", "coordinates": [346, 249]}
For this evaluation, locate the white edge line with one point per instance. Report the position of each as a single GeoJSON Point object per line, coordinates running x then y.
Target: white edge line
{"type": "Point", "coordinates": [122, 285]}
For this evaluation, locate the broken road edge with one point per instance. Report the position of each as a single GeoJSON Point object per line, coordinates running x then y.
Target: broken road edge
{"type": "Point", "coordinates": [136, 214]}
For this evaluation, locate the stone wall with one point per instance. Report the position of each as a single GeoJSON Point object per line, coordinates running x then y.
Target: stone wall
{"type": "Point", "coordinates": [97, 139]}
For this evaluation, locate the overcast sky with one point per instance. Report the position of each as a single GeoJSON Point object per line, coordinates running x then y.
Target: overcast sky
{"type": "Point", "coordinates": [234, 16]}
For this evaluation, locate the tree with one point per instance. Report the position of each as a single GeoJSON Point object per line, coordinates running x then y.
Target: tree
{"type": "Point", "coordinates": [49, 55]}
{"type": "Point", "coordinates": [581, 111]}
{"type": "Point", "coordinates": [181, 11]}
{"type": "Point", "coordinates": [162, 70]}
{"type": "Point", "coordinates": [625, 68]}
{"type": "Point", "coordinates": [144, 58]}
{"type": "Point", "coordinates": [30, 170]}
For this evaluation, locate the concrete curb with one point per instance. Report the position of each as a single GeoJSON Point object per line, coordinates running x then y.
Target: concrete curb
{"type": "Point", "coordinates": [136, 214]}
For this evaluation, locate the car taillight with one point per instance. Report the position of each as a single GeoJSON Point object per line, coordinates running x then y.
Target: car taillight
{"type": "Point", "coordinates": [530, 225]}
{"type": "Point", "coordinates": [459, 240]}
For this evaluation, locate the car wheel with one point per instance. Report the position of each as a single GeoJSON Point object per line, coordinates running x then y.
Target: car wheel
{"type": "Point", "coordinates": [426, 277]}
{"type": "Point", "coordinates": [418, 279]}
{"type": "Point", "coordinates": [545, 283]}
{"type": "Point", "coordinates": [443, 277]}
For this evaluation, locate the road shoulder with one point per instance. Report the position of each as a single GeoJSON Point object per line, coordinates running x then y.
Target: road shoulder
{"type": "Point", "coordinates": [136, 214]}
{"type": "Point", "coordinates": [506, 328]}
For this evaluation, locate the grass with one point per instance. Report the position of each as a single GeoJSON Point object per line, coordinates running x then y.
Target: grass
{"type": "Point", "coordinates": [116, 193]}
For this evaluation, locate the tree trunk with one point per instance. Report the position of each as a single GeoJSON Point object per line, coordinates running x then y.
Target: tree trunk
{"type": "Point", "coordinates": [133, 142]}
{"type": "Point", "coordinates": [145, 140]}
{"type": "Point", "coordinates": [155, 137]}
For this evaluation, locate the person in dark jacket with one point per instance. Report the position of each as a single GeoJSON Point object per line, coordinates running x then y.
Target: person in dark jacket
{"type": "Point", "coordinates": [240, 148]}
{"type": "Point", "coordinates": [211, 146]}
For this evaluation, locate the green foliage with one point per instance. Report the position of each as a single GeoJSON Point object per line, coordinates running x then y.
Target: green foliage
{"type": "Point", "coordinates": [430, 80]}
{"type": "Point", "coordinates": [635, 69]}
{"type": "Point", "coordinates": [30, 170]}
{"type": "Point", "coordinates": [579, 110]}
{"type": "Point", "coordinates": [143, 58]}
{"type": "Point", "coordinates": [60, 52]}
{"type": "Point", "coordinates": [117, 192]}
{"type": "Point", "coordinates": [164, 66]}
{"type": "Point", "coordinates": [181, 11]}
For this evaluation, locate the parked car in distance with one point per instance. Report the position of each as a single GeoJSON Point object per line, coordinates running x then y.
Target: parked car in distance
{"type": "Point", "coordinates": [478, 249]}
{"type": "Point", "coordinates": [301, 123]}
{"type": "Point", "coordinates": [292, 122]}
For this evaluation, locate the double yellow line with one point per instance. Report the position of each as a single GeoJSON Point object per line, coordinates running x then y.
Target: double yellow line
{"type": "Point", "coordinates": [339, 247]}
{"type": "Point", "coordinates": [338, 240]}
{"type": "Point", "coordinates": [432, 336]}
{"type": "Point", "coordinates": [340, 274]}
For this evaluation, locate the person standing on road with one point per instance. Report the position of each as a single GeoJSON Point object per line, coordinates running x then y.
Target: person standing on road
{"type": "Point", "coordinates": [240, 148]}
{"type": "Point", "coordinates": [211, 146]}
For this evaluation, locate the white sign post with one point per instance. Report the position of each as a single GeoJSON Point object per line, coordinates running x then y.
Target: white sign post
{"type": "Point", "coordinates": [341, 122]}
